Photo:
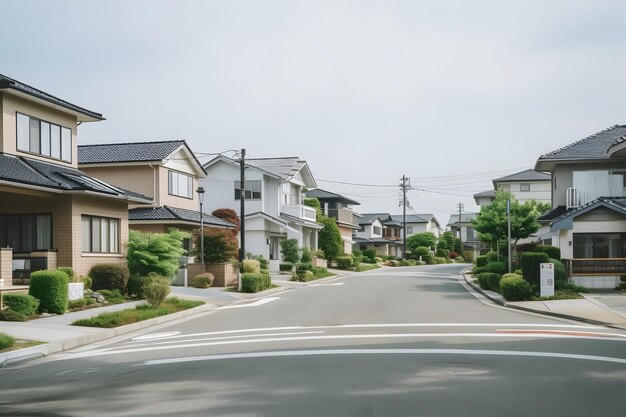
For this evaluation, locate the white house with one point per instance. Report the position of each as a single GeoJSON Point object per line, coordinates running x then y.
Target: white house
{"type": "Point", "coordinates": [469, 237]}
{"type": "Point", "coordinates": [274, 208]}
{"type": "Point", "coordinates": [525, 186]}
{"type": "Point", "coordinates": [588, 216]}
{"type": "Point", "coordinates": [419, 223]}
{"type": "Point", "coordinates": [379, 232]}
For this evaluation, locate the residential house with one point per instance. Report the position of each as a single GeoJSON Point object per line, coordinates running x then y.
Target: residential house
{"type": "Point", "coordinates": [52, 214]}
{"type": "Point", "coordinates": [340, 208]}
{"type": "Point", "coordinates": [588, 214]}
{"type": "Point", "coordinates": [525, 186]}
{"type": "Point", "coordinates": [274, 195]}
{"type": "Point", "coordinates": [464, 230]}
{"type": "Point", "coordinates": [418, 223]}
{"type": "Point", "coordinates": [379, 232]}
{"type": "Point", "coordinates": [166, 171]}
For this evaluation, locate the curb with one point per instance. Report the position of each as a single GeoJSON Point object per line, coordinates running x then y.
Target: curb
{"type": "Point", "coordinates": [35, 352]}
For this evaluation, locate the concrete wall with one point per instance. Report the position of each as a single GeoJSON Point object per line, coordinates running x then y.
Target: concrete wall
{"type": "Point", "coordinates": [225, 274]}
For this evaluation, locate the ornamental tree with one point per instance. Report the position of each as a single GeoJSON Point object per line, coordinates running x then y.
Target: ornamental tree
{"type": "Point", "coordinates": [220, 245]}
{"type": "Point", "coordinates": [330, 240]}
{"type": "Point", "coordinates": [155, 252]}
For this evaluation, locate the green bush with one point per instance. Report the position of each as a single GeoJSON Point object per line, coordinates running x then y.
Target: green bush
{"type": "Point", "coordinates": [494, 267]}
{"type": "Point", "coordinates": [51, 288]}
{"type": "Point", "coordinates": [515, 288]}
{"type": "Point", "coordinates": [530, 265]}
{"type": "Point", "coordinates": [11, 315]}
{"type": "Point", "coordinates": [155, 290]}
{"type": "Point", "coordinates": [22, 303]}
{"type": "Point", "coordinates": [406, 262]}
{"type": "Point", "coordinates": [440, 260]}
{"type": "Point", "coordinates": [420, 251]}
{"type": "Point", "coordinates": [155, 252]}
{"type": "Point", "coordinates": [344, 262]}
{"type": "Point", "coordinates": [369, 253]}
{"type": "Point", "coordinates": [6, 341]}
{"type": "Point", "coordinates": [307, 256]}
{"type": "Point", "coordinates": [552, 251]}
{"type": "Point", "coordinates": [112, 296]}
{"type": "Point", "coordinates": [559, 269]}
{"type": "Point", "coordinates": [564, 285]}
{"type": "Point", "coordinates": [481, 261]}
{"type": "Point", "coordinates": [69, 271]}
{"type": "Point", "coordinates": [290, 251]}
{"type": "Point", "coordinates": [264, 263]}
{"type": "Point", "coordinates": [203, 280]}
{"type": "Point", "coordinates": [109, 277]}
{"type": "Point", "coordinates": [303, 276]}
{"type": "Point", "coordinates": [304, 266]}
{"type": "Point", "coordinates": [357, 257]}
{"type": "Point", "coordinates": [329, 238]}
{"type": "Point", "coordinates": [285, 267]}
{"type": "Point", "coordinates": [74, 304]}
{"type": "Point", "coordinates": [442, 253]}
{"type": "Point", "coordinates": [428, 259]}
{"type": "Point", "coordinates": [253, 282]}
{"type": "Point", "coordinates": [251, 266]}
{"type": "Point", "coordinates": [87, 282]}
{"type": "Point", "coordinates": [492, 256]}
{"type": "Point", "coordinates": [134, 286]}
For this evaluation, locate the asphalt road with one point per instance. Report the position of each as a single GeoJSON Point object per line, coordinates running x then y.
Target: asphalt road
{"type": "Point", "coordinates": [392, 342]}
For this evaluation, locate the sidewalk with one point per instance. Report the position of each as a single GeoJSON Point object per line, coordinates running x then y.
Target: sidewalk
{"type": "Point", "coordinates": [589, 309]}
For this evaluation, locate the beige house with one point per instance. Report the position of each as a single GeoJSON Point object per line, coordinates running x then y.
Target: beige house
{"type": "Point", "coordinates": [52, 214]}
{"type": "Point", "coordinates": [167, 172]}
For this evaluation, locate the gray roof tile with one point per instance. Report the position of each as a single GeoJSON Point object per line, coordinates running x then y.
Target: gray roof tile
{"type": "Point", "coordinates": [595, 146]}
{"type": "Point", "coordinates": [174, 213]}
{"type": "Point", "coordinates": [127, 152]}
{"type": "Point", "coordinates": [526, 175]}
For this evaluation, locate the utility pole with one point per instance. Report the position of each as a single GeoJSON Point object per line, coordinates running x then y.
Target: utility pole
{"type": "Point", "coordinates": [460, 234]}
{"type": "Point", "coordinates": [508, 221]}
{"type": "Point", "coordinates": [242, 215]}
{"type": "Point", "coordinates": [406, 183]}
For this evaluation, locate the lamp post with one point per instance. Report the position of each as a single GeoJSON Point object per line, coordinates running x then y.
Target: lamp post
{"type": "Point", "coordinates": [200, 192]}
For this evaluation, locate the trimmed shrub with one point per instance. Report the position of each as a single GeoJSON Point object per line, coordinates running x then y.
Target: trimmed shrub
{"type": "Point", "coordinates": [530, 265]}
{"type": "Point", "coordinates": [428, 259]}
{"type": "Point", "coordinates": [11, 315]}
{"type": "Point", "coordinates": [69, 271]}
{"type": "Point", "coordinates": [492, 256]}
{"type": "Point", "coordinates": [319, 254]}
{"type": "Point", "coordinates": [87, 282]}
{"type": "Point", "coordinates": [303, 276]}
{"type": "Point", "coordinates": [285, 267]}
{"type": "Point", "coordinates": [344, 262]}
{"type": "Point", "coordinates": [486, 280]}
{"type": "Point", "coordinates": [564, 285]}
{"type": "Point", "coordinates": [22, 303]}
{"type": "Point", "coordinates": [155, 290]}
{"type": "Point", "coordinates": [307, 256]}
{"type": "Point", "coordinates": [304, 266]}
{"type": "Point", "coordinates": [494, 267]}
{"type": "Point", "coordinates": [251, 265]}
{"type": "Point", "coordinates": [203, 280]}
{"type": "Point", "coordinates": [559, 270]}
{"type": "Point", "coordinates": [440, 260]}
{"type": "Point", "coordinates": [453, 255]}
{"type": "Point", "coordinates": [459, 260]}
{"type": "Point", "coordinates": [357, 256]}
{"type": "Point", "coordinates": [552, 251]}
{"type": "Point", "coordinates": [481, 261]}
{"type": "Point", "coordinates": [369, 253]}
{"type": "Point", "coordinates": [442, 253]}
{"type": "Point", "coordinates": [290, 251]}
{"type": "Point", "coordinates": [134, 286]}
{"type": "Point", "coordinates": [109, 277]}
{"type": "Point", "coordinates": [254, 282]}
{"type": "Point", "coordinates": [515, 288]}
{"type": "Point", "coordinates": [51, 288]}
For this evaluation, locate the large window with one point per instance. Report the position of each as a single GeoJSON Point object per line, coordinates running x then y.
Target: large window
{"type": "Point", "coordinates": [377, 230]}
{"type": "Point", "coordinates": [43, 138]}
{"type": "Point", "coordinates": [252, 192]}
{"type": "Point", "coordinates": [100, 234]}
{"type": "Point", "coordinates": [599, 245]}
{"type": "Point", "coordinates": [26, 232]}
{"type": "Point", "coordinates": [180, 185]}
{"type": "Point", "coordinates": [592, 184]}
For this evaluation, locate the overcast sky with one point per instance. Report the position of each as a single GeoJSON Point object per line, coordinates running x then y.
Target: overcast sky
{"type": "Point", "coordinates": [450, 93]}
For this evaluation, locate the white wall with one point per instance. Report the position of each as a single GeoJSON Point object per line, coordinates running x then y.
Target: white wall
{"type": "Point", "coordinates": [220, 188]}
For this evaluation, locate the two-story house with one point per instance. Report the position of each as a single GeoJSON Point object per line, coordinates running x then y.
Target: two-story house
{"type": "Point", "coordinates": [465, 231]}
{"type": "Point", "coordinates": [418, 223]}
{"type": "Point", "coordinates": [274, 209]}
{"type": "Point", "coordinates": [52, 214]}
{"type": "Point", "coordinates": [166, 171]}
{"type": "Point", "coordinates": [588, 213]}
{"type": "Point", "coordinates": [340, 208]}
{"type": "Point", "coordinates": [525, 186]}
{"type": "Point", "coordinates": [379, 232]}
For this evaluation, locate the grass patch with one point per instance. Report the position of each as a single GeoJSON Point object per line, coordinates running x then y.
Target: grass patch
{"type": "Point", "coordinates": [322, 274]}
{"type": "Point", "coordinates": [21, 344]}
{"type": "Point", "coordinates": [559, 295]}
{"type": "Point", "coordinates": [6, 341]}
{"type": "Point", "coordinates": [139, 313]}
{"type": "Point", "coordinates": [365, 267]}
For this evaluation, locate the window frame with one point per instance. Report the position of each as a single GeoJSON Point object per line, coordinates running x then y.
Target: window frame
{"type": "Point", "coordinates": [252, 192]}
{"type": "Point", "coordinates": [524, 187]}
{"type": "Point", "coordinates": [113, 240]}
{"type": "Point", "coordinates": [63, 131]}
{"type": "Point", "coordinates": [19, 228]}
{"type": "Point", "coordinates": [170, 184]}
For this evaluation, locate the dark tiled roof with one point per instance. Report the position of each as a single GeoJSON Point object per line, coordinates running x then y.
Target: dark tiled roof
{"type": "Point", "coordinates": [526, 175]}
{"type": "Point", "coordinates": [42, 174]}
{"type": "Point", "coordinates": [327, 195]}
{"type": "Point", "coordinates": [488, 193]}
{"type": "Point", "coordinates": [413, 218]}
{"type": "Point", "coordinates": [595, 146]}
{"type": "Point", "coordinates": [369, 218]}
{"type": "Point", "coordinates": [284, 168]}
{"type": "Point", "coordinates": [174, 213]}
{"type": "Point", "coordinates": [377, 241]}
{"type": "Point", "coordinates": [127, 152]}
{"type": "Point", "coordinates": [10, 83]}
{"type": "Point", "coordinates": [552, 214]}
{"type": "Point", "coordinates": [465, 218]}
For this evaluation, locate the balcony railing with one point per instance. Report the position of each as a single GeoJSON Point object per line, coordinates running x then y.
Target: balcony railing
{"type": "Point", "coordinates": [299, 210]}
{"type": "Point", "coordinates": [345, 215]}
{"type": "Point", "coordinates": [576, 196]}
{"type": "Point", "coordinates": [595, 266]}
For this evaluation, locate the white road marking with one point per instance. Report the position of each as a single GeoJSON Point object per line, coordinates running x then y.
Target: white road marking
{"type": "Point", "coordinates": [153, 336]}
{"type": "Point", "coordinates": [384, 352]}
{"type": "Point", "coordinates": [254, 304]}
{"type": "Point", "coordinates": [336, 284]}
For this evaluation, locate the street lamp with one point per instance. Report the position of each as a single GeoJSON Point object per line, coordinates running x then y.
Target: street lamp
{"type": "Point", "coordinates": [200, 192]}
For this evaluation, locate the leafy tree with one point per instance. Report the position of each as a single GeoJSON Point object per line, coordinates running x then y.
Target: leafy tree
{"type": "Point", "coordinates": [446, 241]}
{"type": "Point", "coordinates": [426, 239]}
{"type": "Point", "coordinates": [220, 245]}
{"type": "Point", "coordinates": [290, 251]}
{"type": "Point", "coordinates": [231, 216]}
{"type": "Point", "coordinates": [155, 252]}
{"type": "Point", "coordinates": [330, 241]}
{"type": "Point", "coordinates": [491, 222]}
{"type": "Point", "coordinates": [315, 203]}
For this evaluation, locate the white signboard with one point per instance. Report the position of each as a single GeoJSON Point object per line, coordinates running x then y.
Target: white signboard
{"type": "Point", "coordinates": [547, 280]}
{"type": "Point", "coordinates": [76, 290]}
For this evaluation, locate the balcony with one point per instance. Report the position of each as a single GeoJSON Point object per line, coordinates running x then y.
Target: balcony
{"type": "Point", "coordinates": [300, 211]}
{"type": "Point", "coordinates": [344, 215]}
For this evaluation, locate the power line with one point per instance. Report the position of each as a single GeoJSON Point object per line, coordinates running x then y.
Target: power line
{"type": "Point", "coordinates": [357, 184]}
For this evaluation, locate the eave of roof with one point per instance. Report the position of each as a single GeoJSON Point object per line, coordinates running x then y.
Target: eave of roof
{"type": "Point", "coordinates": [565, 221]}
{"type": "Point", "coordinates": [168, 213]}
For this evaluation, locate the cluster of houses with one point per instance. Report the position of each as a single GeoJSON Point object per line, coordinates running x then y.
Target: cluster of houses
{"type": "Point", "coordinates": [70, 205]}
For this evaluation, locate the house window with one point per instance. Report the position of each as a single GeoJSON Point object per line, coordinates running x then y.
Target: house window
{"type": "Point", "coordinates": [43, 138]}
{"type": "Point", "coordinates": [100, 234]}
{"type": "Point", "coordinates": [469, 233]}
{"type": "Point", "coordinates": [252, 191]}
{"type": "Point", "coordinates": [505, 187]}
{"type": "Point", "coordinates": [26, 232]}
{"type": "Point", "coordinates": [180, 185]}
{"type": "Point", "coordinates": [524, 187]}
{"type": "Point", "coordinates": [377, 230]}
{"type": "Point", "coordinates": [599, 245]}
{"type": "Point", "coordinates": [409, 230]}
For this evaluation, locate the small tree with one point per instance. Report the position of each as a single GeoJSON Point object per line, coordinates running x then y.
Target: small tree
{"type": "Point", "coordinates": [230, 216]}
{"type": "Point", "coordinates": [220, 246]}
{"type": "Point", "coordinates": [155, 252]}
{"type": "Point", "coordinates": [330, 240]}
{"type": "Point", "coordinates": [290, 251]}
{"type": "Point", "coordinates": [315, 203]}
{"type": "Point", "coordinates": [426, 239]}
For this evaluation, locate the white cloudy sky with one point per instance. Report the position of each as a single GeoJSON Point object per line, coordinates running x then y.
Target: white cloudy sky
{"type": "Point", "coordinates": [451, 93]}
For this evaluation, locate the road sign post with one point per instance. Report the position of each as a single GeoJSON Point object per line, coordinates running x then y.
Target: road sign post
{"type": "Point", "coordinates": [546, 277]}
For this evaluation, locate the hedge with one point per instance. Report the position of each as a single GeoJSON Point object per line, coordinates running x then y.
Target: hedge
{"type": "Point", "coordinates": [515, 288]}
{"type": "Point", "coordinates": [552, 251]}
{"type": "Point", "coordinates": [286, 267]}
{"type": "Point", "coordinates": [203, 280]}
{"type": "Point", "coordinates": [344, 262]}
{"type": "Point", "coordinates": [494, 267]}
{"type": "Point", "coordinates": [69, 271]}
{"type": "Point", "coordinates": [109, 277]}
{"type": "Point", "coordinates": [253, 282]}
{"type": "Point", "coordinates": [492, 256]}
{"type": "Point", "coordinates": [530, 265]}
{"type": "Point", "coordinates": [251, 266]}
{"type": "Point", "coordinates": [304, 266]}
{"type": "Point", "coordinates": [51, 288]}
{"type": "Point", "coordinates": [481, 261]}
{"type": "Point", "coordinates": [22, 303]}
{"type": "Point", "coordinates": [303, 276]}
{"type": "Point", "coordinates": [134, 286]}
{"type": "Point", "coordinates": [489, 281]}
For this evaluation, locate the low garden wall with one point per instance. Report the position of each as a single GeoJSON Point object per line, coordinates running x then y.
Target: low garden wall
{"type": "Point", "coordinates": [225, 274]}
